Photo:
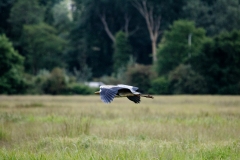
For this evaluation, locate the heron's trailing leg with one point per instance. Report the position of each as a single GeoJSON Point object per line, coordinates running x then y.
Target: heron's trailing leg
{"type": "Point", "coordinates": [147, 96]}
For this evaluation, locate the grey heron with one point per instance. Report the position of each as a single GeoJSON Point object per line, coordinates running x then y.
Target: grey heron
{"type": "Point", "coordinates": [109, 92]}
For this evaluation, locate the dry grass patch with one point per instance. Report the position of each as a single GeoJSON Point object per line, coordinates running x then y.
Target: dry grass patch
{"type": "Point", "coordinates": [82, 127]}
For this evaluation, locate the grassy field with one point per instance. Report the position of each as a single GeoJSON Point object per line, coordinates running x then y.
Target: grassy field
{"type": "Point", "coordinates": [82, 127]}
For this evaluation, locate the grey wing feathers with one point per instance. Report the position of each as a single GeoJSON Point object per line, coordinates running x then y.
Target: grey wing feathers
{"type": "Point", "coordinates": [135, 99]}
{"type": "Point", "coordinates": [107, 95]}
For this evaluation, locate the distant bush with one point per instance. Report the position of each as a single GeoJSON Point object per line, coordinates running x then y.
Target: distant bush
{"type": "Point", "coordinates": [35, 83]}
{"type": "Point", "coordinates": [159, 85]}
{"type": "Point", "coordinates": [56, 83]}
{"type": "Point", "coordinates": [76, 88]}
{"type": "Point", "coordinates": [140, 76]}
{"type": "Point", "coordinates": [184, 80]}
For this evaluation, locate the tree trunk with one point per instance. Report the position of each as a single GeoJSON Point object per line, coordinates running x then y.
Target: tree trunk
{"type": "Point", "coordinates": [153, 23]}
{"type": "Point", "coordinates": [154, 50]}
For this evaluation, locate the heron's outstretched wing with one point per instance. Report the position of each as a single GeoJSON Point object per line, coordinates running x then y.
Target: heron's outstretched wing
{"type": "Point", "coordinates": [108, 94]}
{"type": "Point", "coordinates": [135, 99]}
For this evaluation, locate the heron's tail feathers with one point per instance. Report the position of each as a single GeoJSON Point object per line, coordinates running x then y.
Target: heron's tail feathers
{"type": "Point", "coordinates": [146, 95]}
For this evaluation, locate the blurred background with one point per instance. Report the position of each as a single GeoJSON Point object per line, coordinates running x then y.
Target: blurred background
{"type": "Point", "coordinates": [163, 47]}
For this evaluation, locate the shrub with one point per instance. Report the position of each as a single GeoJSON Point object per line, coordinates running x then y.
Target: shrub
{"type": "Point", "coordinates": [76, 88]}
{"type": "Point", "coordinates": [159, 85]}
{"type": "Point", "coordinates": [184, 79]}
{"type": "Point", "coordinates": [56, 82]}
{"type": "Point", "coordinates": [36, 83]}
{"type": "Point", "coordinates": [140, 76]}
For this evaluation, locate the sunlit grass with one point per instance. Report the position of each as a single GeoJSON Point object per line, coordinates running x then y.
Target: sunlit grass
{"type": "Point", "coordinates": [82, 127]}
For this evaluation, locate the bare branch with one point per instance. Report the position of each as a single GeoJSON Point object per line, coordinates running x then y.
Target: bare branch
{"type": "Point", "coordinates": [150, 16]}
{"type": "Point", "coordinates": [158, 25]}
{"type": "Point", "coordinates": [127, 20]}
{"type": "Point", "coordinates": [109, 33]}
{"type": "Point", "coordinates": [138, 6]}
{"type": "Point", "coordinates": [134, 31]}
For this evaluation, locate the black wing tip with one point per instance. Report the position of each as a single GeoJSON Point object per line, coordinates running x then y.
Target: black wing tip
{"type": "Point", "coordinates": [137, 102]}
{"type": "Point", "coordinates": [136, 99]}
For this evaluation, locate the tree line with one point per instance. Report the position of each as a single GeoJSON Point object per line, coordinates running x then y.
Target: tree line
{"type": "Point", "coordinates": [164, 47]}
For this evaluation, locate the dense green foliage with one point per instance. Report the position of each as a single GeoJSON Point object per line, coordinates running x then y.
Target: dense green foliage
{"type": "Point", "coordinates": [215, 16]}
{"type": "Point", "coordinates": [25, 12]}
{"type": "Point", "coordinates": [184, 79]}
{"type": "Point", "coordinates": [11, 68]}
{"type": "Point", "coordinates": [122, 52]}
{"type": "Point", "coordinates": [220, 63]}
{"type": "Point", "coordinates": [42, 48]}
{"type": "Point", "coordinates": [94, 39]}
{"type": "Point", "coordinates": [179, 45]}
{"type": "Point", "coordinates": [160, 85]}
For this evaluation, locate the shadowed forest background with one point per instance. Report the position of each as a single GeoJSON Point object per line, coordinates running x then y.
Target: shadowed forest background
{"type": "Point", "coordinates": [164, 47]}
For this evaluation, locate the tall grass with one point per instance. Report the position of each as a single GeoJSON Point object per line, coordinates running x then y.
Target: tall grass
{"type": "Point", "coordinates": [82, 127]}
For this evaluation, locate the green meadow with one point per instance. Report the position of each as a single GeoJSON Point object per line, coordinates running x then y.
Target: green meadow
{"type": "Point", "coordinates": [82, 127]}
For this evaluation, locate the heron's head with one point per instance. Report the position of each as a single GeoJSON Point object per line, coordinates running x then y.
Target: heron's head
{"type": "Point", "coordinates": [98, 92]}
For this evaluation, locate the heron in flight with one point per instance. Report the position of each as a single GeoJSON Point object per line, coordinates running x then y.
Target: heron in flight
{"type": "Point", "coordinates": [109, 92]}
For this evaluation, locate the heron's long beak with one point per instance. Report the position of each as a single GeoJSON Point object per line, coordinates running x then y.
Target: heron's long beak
{"type": "Point", "coordinates": [97, 92]}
